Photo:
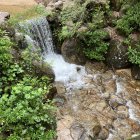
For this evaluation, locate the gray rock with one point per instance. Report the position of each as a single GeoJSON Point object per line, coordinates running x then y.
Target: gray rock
{"type": "Point", "coordinates": [135, 71]}
{"type": "Point", "coordinates": [4, 16]}
{"type": "Point", "coordinates": [60, 88]}
{"type": "Point", "coordinates": [71, 52]}
{"type": "Point", "coordinates": [117, 55]}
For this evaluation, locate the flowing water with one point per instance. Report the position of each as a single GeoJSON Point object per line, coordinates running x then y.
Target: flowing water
{"type": "Point", "coordinates": [39, 34]}
{"type": "Point", "coordinates": [87, 100]}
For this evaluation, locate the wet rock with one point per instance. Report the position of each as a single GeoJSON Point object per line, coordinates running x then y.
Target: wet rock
{"type": "Point", "coordinates": [106, 95]}
{"type": "Point", "coordinates": [71, 53]}
{"type": "Point", "coordinates": [60, 88]}
{"type": "Point", "coordinates": [122, 112]}
{"type": "Point", "coordinates": [3, 17]}
{"type": "Point", "coordinates": [117, 55]}
{"type": "Point", "coordinates": [101, 106]}
{"type": "Point", "coordinates": [58, 5]}
{"type": "Point", "coordinates": [124, 73]}
{"type": "Point", "coordinates": [116, 4]}
{"type": "Point", "coordinates": [60, 100]}
{"type": "Point", "coordinates": [77, 132]}
{"type": "Point", "coordinates": [103, 134]}
{"type": "Point", "coordinates": [110, 86]}
{"type": "Point", "coordinates": [135, 71]}
{"type": "Point", "coordinates": [42, 68]}
{"type": "Point", "coordinates": [95, 67]}
{"type": "Point", "coordinates": [20, 40]}
{"type": "Point", "coordinates": [116, 101]}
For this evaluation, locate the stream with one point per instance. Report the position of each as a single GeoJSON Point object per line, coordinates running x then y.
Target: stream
{"type": "Point", "coordinates": [93, 103]}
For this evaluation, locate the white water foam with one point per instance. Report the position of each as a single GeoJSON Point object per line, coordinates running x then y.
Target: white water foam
{"type": "Point", "coordinates": [132, 112]}
{"type": "Point", "coordinates": [70, 74]}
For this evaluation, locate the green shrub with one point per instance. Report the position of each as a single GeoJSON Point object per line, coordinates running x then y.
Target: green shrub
{"type": "Point", "coordinates": [25, 114]}
{"type": "Point", "coordinates": [134, 55]}
{"type": "Point", "coordinates": [96, 46]}
{"type": "Point", "coordinates": [131, 19]}
{"type": "Point", "coordinates": [92, 16]}
{"type": "Point", "coordinates": [25, 111]}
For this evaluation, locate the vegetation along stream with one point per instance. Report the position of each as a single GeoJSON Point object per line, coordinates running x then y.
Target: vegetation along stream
{"type": "Point", "coordinates": [69, 70]}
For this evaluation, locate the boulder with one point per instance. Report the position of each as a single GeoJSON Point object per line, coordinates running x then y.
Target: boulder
{"type": "Point", "coordinates": [72, 53]}
{"type": "Point", "coordinates": [60, 88]}
{"type": "Point", "coordinates": [58, 5]}
{"type": "Point", "coordinates": [117, 55]}
{"type": "Point", "coordinates": [4, 16]}
{"type": "Point", "coordinates": [135, 71]}
{"type": "Point", "coordinates": [41, 68]}
{"type": "Point", "coordinates": [116, 4]}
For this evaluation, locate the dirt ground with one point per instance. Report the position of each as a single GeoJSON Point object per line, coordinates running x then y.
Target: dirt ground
{"type": "Point", "coordinates": [16, 6]}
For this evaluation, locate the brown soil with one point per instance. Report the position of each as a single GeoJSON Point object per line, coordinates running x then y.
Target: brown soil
{"type": "Point", "coordinates": [16, 6]}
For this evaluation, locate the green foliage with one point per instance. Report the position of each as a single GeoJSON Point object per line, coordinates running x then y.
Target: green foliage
{"type": "Point", "coordinates": [131, 19]}
{"type": "Point", "coordinates": [25, 111]}
{"type": "Point", "coordinates": [134, 55]}
{"type": "Point", "coordinates": [96, 46]}
{"type": "Point", "coordinates": [92, 16]}
{"type": "Point", "coordinates": [24, 114]}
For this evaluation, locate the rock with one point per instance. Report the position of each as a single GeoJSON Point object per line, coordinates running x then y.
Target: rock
{"type": "Point", "coordinates": [117, 55]}
{"type": "Point", "coordinates": [122, 112]}
{"type": "Point", "coordinates": [101, 106]}
{"type": "Point", "coordinates": [106, 95]}
{"type": "Point", "coordinates": [116, 4]}
{"type": "Point", "coordinates": [41, 68]}
{"type": "Point", "coordinates": [77, 131]}
{"type": "Point", "coordinates": [124, 73]}
{"type": "Point", "coordinates": [135, 71]}
{"type": "Point", "coordinates": [20, 40]}
{"type": "Point", "coordinates": [60, 88]}
{"type": "Point", "coordinates": [103, 135]}
{"type": "Point", "coordinates": [58, 5]}
{"type": "Point", "coordinates": [82, 29]}
{"type": "Point", "coordinates": [59, 100]}
{"type": "Point", "coordinates": [110, 86]}
{"type": "Point", "coordinates": [71, 52]}
{"type": "Point", "coordinates": [4, 16]}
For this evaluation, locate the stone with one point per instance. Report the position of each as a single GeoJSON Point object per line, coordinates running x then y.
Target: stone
{"type": "Point", "coordinates": [41, 68]}
{"type": "Point", "coordinates": [135, 71]}
{"type": "Point", "coordinates": [110, 86]}
{"type": "Point", "coordinates": [116, 4]}
{"type": "Point", "coordinates": [124, 73]}
{"type": "Point", "coordinates": [20, 40]}
{"type": "Point", "coordinates": [122, 112]}
{"type": "Point", "coordinates": [103, 135]}
{"type": "Point", "coordinates": [4, 16]}
{"type": "Point", "coordinates": [117, 57]}
{"type": "Point", "coordinates": [71, 52]}
{"type": "Point", "coordinates": [58, 5]}
{"type": "Point", "coordinates": [101, 106]}
{"type": "Point", "coordinates": [60, 88]}
{"type": "Point", "coordinates": [77, 131]}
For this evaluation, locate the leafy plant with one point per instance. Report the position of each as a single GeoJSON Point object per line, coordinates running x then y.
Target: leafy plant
{"type": "Point", "coordinates": [25, 111]}
{"type": "Point", "coordinates": [25, 114]}
{"type": "Point", "coordinates": [131, 19]}
{"type": "Point", "coordinates": [134, 55]}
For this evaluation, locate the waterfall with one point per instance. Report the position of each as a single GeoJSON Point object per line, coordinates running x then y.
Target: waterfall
{"type": "Point", "coordinates": [39, 34]}
{"type": "Point", "coordinates": [39, 31]}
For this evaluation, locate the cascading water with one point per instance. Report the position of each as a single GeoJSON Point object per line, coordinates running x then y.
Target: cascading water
{"type": "Point", "coordinates": [39, 34]}
{"type": "Point", "coordinates": [73, 76]}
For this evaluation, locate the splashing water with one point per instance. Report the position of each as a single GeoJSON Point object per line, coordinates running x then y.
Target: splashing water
{"type": "Point", "coordinates": [39, 33]}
